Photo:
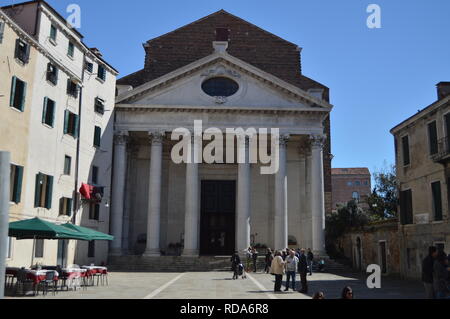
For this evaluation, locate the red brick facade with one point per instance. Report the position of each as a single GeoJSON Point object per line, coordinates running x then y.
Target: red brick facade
{"type": "Point", "coordinates": [247, 42]}
{"type": "Point", "coordinates": [346, 181]}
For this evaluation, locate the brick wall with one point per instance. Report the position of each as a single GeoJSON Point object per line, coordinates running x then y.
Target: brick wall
{"type": "Point", "coordinates": [342, 192]}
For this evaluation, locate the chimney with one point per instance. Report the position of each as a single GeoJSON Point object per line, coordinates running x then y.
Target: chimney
{"type": "Point", "coordinates": [443, 89]}
{"type": "Point", "coordinates": [96, 52]}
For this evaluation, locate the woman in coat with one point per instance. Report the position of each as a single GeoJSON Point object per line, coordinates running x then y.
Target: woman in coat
{"type": "Point", "coordinates": [440, 275]}
{"type": "Point", "coordinates": [277, 269]}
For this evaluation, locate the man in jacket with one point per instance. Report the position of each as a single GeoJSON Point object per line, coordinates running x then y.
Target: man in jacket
{"type": "Point", "coordinates": [303, 270]}
{"type": "Point", "coordinates": [277, 269]}
{"type": "Point", "coordinates": [291, 269]}
{"type": "Point", "coordinates": [427, 272]}
{"type": "Point", "coordinates": [310, 259]}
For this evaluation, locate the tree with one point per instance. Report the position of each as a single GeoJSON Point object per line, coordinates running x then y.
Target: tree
{"type": "Point", "coordinates": [384, 199]}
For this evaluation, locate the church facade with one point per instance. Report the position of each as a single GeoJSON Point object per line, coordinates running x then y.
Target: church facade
{"type": "Point", "coordinates": [225, 74]}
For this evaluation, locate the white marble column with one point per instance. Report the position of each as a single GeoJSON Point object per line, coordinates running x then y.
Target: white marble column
{"type": "Point", "coordinates": [192, 205]}
{"type": "Point", "coordinates": [243, 199]}
{"type": "Point", "coordinates": [317, 195]}
{"type": "Point", "coordinates": [118, 191]}
{"type": "Point", "coordinates": [154, 195]}
{"type": "Point", "coordinates": [281, 206]}
{"type": "Point", "coordinates": [132, 151]}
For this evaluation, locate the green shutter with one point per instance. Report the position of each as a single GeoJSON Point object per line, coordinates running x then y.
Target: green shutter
{"type": "Point", "coordinates": [37, 190]}
{"type": "Point", "coordinates": [49, 191]}
{"type": "Point", "coordinates": [44, 111]}
{"type": "Point", "coordinates": [24, 93]}
{"type": "Point", "coordinates": [13, 91]}
{"type": "Point", "coordinates": [76, 126]}
{"type": "Point", "coordinates": [16, 54]}
{"type": "Point", "coordinates": [53, 113]}
{"type": "Point", "coordinates": [66, 121]}
{"type": "Point", "coordinates": [2, 30]}
{"type": "Point", "coordinates": [69, 207]}
{"type": "Point", "coordinates": [18, 184]}
{"type": "Point", "coordinates": [27, 54]}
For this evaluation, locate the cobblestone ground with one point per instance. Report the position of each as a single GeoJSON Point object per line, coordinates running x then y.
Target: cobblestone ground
{"type": "Point", "coordinates": [219, 285]}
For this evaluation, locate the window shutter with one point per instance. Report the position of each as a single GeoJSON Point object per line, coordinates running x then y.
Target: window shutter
{"type": "Point", "coordinates": [49, 195]}
{"type": "Point", "coordinates": [53, 113]}
{"type": "Point", "coordinates": [13, 91]}
{"type": "Point", "coordinates": [56, 74]}
{"type": "Point", "coordinates": [69, 207]}
{"type": "Point", "coordinates": [2, 30]}
{"type": "Point", "coordinates": [18, 184]}
{"type": "Point", "coordinates": [66, 121]}
{"type": "Point", "coordinates": [44, 112]}
{"type": "Point", "coordinates": [76, 128]}
{"type": "Point", "coordinates": [37, 190]}
{"type": "Point", "coordinates": [16, 54]}
{"type": "Point", "coordinates": [27, 54]}
{"type": "Point", "coordinates": [24, 94]}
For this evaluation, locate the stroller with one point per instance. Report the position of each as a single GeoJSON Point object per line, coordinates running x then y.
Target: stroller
{"type": "Point", "coordinates": [241, 271]}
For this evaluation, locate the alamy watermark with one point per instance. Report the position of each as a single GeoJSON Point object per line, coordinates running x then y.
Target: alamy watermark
{"type": "Point", "coordinates": [374, 279]}
{"type": "Point", "coordinates": [374, 19]}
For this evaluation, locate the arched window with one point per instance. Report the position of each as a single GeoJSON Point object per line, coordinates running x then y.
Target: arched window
{"type": "Point", "coordinates": [355, 196]}
{"type": "Point", "coordinates": [220, 86]}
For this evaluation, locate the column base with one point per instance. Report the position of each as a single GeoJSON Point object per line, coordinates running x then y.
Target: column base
{"type": "Point", "coordinates": [190, 253]}
{"type": "Point", "coordinates": [152, 253]}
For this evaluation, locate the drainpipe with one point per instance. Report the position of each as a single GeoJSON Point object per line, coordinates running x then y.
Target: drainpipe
{"type": "Point", "coordinates": [76, 205]}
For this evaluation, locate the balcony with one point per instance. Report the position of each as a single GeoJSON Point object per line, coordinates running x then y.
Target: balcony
{"type": "Point", "coordinates": [443, 152]}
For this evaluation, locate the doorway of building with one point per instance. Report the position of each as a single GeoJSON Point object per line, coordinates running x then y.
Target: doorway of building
{"type": "Point", "coordinates": [383, 257]}
{"type": "Point", "coordinates": [61, 259]}
{"type": "Point", "coordinates": [217, 222]}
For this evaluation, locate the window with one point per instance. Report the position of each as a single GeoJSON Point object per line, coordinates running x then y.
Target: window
{"type": "Point", "coordinates": [71, 49]}
{"type": "Point", "coordinates": [43, 191]}
{"type": "Point", "coordinates": [99, 105]}
{"type": "Point", "coordinates": [53, 33]}
{"type": "Point", "coordinates": [71, 124]}
{"type": "Point", "coordinates": [94, 175]}
{"type": "Point", "coordinates": [91, 249]}
{"type": "Point", "coordinates": [405, 144]}
{"type": "Point", "coordinates": [89, 67]}
{"type": "Point", "coordinates": [18, 93]}
{"type": "Point", "coordinates": [52, 74]}
{"type": "Point", "coordinates": [94, 211]}
{"type": "Point", "coordinates": [349, 183]}
{"type": "Point", "coordinates": [48, 113]}
{"type": "Point", "coordinates": [220, 87]}
{"type": "Point", "coordinates": [72, 88]}
{"type": "Point", "coordinates": [437, 200]}
{"type": "Point", "coordinates": [2, 30]}
{"type": "Point", "coordinates": [222, 34]}
{"type": "Point", "coordinates": [8, 248]}
{"type": "Point", "coordinates": [366, 183]}
{"type": "Point", "coordinates": [406, 207]}
{"type": "Point", "coordinates": [101, 74]}
{"type": "Point", "coordinates": [357, 183]}
{"type": "Point", "coordinates": [355, 196]}
{"type": "Point", "coordinates": [65, 207]}
{"type": "Point", "coordinates": [432, 138]}
{"type": "Point", "coordinates": [22, 51]}
{"type": "Point", "coordinates": [67, 165]}
{"type": "Point", "coordinates": [15, 179]}
{"type": "Point", "coordinates": [39, 248]}
{"type": "Point", "coordinates": [97, 136]}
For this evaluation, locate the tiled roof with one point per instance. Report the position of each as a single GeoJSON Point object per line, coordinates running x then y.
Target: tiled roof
{"type": "Point", "coordinates": [350, 171]}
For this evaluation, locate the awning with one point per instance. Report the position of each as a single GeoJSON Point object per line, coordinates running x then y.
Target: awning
{"type": "Point", "coordinates": [89, 233]}
{"type": "Point", "coordinates": [40, 229]}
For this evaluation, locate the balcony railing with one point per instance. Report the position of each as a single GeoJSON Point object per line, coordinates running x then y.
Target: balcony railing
{"type": "Point", "coordinates": [443, 153]}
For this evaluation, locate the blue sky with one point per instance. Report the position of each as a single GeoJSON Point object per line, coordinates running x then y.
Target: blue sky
{"type": "Point", "coordinates": [377, 77]}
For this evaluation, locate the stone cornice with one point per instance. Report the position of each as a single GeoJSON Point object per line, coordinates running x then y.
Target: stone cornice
{"type": "Point", "coordinates": [219, 109]}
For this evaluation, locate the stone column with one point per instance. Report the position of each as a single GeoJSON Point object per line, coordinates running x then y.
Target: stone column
{"type": "Point", "coordinates": [192, 206]}
{"type": "Point", "coordinates": [243, 199]}
{"type": "Point", "coordinates": [118, 191]}
{"type": "Point", "coordinates": [317, 195]}
{"type": "Point", "coordinates": [154, 195]}
{"type": "Point", "coordinates": [281, 208]}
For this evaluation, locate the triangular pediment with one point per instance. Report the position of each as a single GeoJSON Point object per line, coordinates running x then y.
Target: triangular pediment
{"type": "Point", "coordinates": [256, 88]}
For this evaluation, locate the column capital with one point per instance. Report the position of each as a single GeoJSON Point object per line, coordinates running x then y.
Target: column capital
{"type": "Point", "coordinates": [156, 136]}
{"type": "Point", "coordinates": [317, 140]}
{"type": "Point", "coordinates": [283, 139]}
{"type": "Point", "coordinates": [121, 138]}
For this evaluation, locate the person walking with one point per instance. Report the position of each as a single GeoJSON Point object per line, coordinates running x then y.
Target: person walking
{"type": "Point", "coordinates": [248, 255]}
{"type": "Point", "coordinates": [255, 259]}
{"type": "Point", "coordinates": [427, 272]}
{"type": "Point", "coordinates": [440, 275]}
{"type": "Point", "coordinates": [310, 259]}
{"type": "Point", "coordinates": [277, 269]}
{"type": "Point", "coordinates": [347, 293]}
{"type": "Point", "coordinates": [235, 262]}
{"type": "Point", "coordinates": [269, 258]}
{"type": "Point", "coordinates": [303, 270]}
{"type": "Point", "coordinates": [291, 269]}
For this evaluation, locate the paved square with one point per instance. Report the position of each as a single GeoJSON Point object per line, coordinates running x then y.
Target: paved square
{"type": "Point", "coordinates": [219, 285]}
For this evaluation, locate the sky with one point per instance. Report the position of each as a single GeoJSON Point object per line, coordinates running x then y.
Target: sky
{"type": "Point", "coordinates": [377, 77]}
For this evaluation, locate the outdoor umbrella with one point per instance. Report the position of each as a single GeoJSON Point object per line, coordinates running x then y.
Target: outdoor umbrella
{"type": "Point", "coordinates": [89, 233]}
{"type": "Point", "coordinates": [40, 229]}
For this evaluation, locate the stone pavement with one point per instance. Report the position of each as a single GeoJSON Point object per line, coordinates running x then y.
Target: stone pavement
{"type": "Point", "coordinates": [219, 285]}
